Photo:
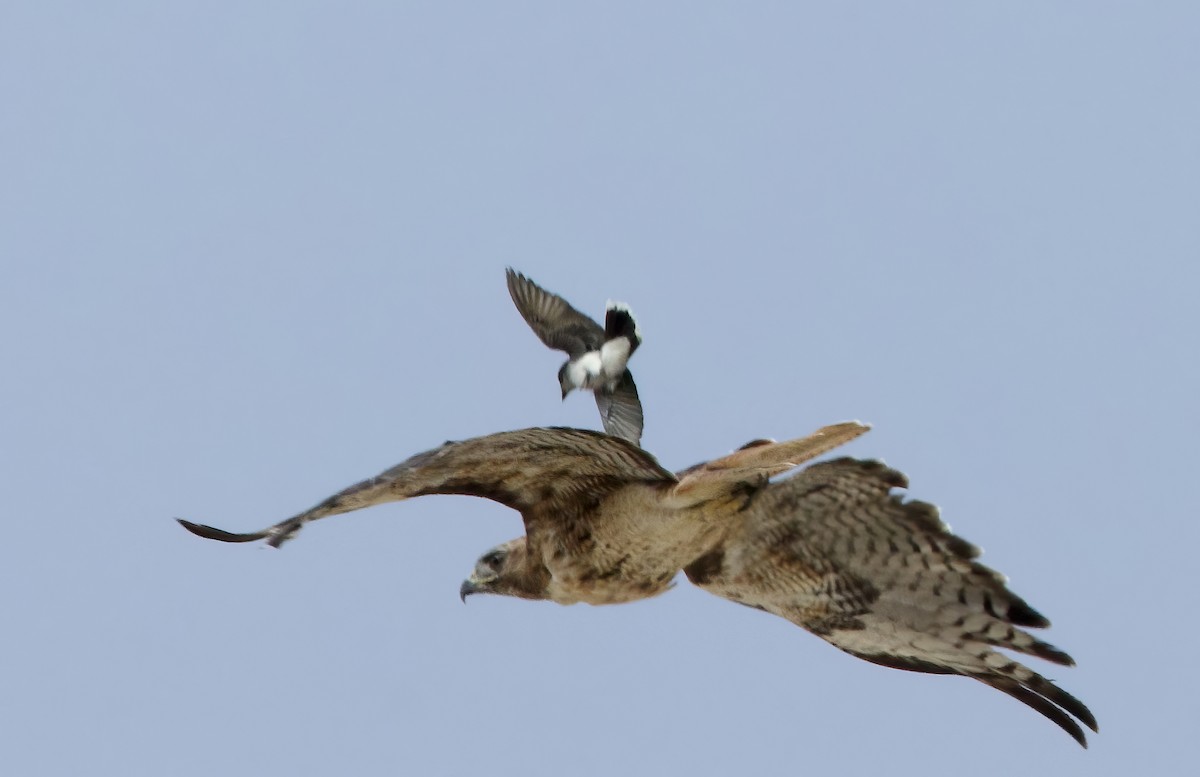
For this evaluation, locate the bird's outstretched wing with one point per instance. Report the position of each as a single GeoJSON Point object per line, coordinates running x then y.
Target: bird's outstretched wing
{"type": "Point", "coordinates": [552, 318]}
{"type": "Point", "coordinates": [621, 410]}
{"type": "Point", "coordinates": [833, 551]}
{"type": "Point", "coordinates": [542, 471]}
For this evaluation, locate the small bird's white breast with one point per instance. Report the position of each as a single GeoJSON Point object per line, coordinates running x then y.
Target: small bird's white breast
{"type": "Point", "coordinates": [587, 371]}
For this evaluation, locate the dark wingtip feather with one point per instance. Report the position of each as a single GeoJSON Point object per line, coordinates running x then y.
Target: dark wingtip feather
{"type": "Point", "coordinates": [1048, 699]}
{"type": "Point", "coordinates": [518, 286]}
{"type": "Point", "coordinates": [1047, 652]}
{"type": "Point", "coordinates": [1065, 700]}
{"type": "Point", "coordinates": [1038, 693]}
{"type": "Point", "coordinates": [893, 478]}
{"type": "Point", "coordinates": [211, 533]}
{"type": "Point", "coordinates": [1045, 706]}
{"type": "Point", "coordinates": [515, 282]}
{"type": "Point", "coordinates": [1021, 614]}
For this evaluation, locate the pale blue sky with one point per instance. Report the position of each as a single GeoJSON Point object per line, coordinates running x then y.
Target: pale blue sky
{"type": "Point", "coordinates": [253, 253]}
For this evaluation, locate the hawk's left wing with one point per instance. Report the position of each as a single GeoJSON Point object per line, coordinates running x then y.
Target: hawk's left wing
{"type": "Point", "coordinates": [543, 471]}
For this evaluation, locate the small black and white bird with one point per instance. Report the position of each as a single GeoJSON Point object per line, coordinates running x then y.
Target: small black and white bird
{"type": "Point", "coordinates": [597, 355]}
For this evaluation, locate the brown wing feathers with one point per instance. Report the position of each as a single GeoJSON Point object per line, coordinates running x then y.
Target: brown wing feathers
{"type": "Point", "coordinates": [520, 469]}
{"type": "Point", "coordinates": [835, 552]}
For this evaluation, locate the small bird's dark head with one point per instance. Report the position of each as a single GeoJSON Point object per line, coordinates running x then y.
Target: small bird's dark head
{"type": "Point", "coordinates": [564, 379]}
{"type": "Point", "coordinates": [507, 570]}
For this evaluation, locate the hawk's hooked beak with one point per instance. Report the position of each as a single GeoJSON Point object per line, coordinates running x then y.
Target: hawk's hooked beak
{"type": "Point", "coordinates": [466, 589]}
{"type": "Point", "coordinates": [472, 585]}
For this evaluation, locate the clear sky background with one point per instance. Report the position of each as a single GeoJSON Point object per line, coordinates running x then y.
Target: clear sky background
{"type": "Point", "coordinates": [253, 253]}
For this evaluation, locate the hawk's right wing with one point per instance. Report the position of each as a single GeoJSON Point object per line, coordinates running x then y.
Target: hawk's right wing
{"type": "Point", "coordinates": [833, 551]}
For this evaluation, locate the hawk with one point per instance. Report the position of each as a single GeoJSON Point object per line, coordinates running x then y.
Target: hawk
{"type": "Point", "coordinates": [597, 355]}
{"type": "Point", "coordinates": [831, 549]}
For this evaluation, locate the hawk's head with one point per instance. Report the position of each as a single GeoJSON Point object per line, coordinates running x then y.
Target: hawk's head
{"type": "Point", "coordinates": [508, 570]}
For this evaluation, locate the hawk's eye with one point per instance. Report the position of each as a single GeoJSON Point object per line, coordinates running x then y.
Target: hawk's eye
{"type": "Point", "coordinates": [493, 559]}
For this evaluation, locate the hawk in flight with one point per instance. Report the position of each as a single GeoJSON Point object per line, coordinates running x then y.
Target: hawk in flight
{"type": "Point", "coordinates": [830, 549]}
{"type": "Point", "coordinates": [597, 355]}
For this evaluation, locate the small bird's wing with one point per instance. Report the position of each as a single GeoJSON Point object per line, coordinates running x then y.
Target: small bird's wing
{"type": "Point", "coordinates": [621, 410]}
{"type": "Point", "coordinates": [757, 461]}
{"type": "Point", "coordinates": [552, 319]}
{"type": "Point", "coordinates": [553, 473]}
{"type": "Point", "coordinates": [833, 551]}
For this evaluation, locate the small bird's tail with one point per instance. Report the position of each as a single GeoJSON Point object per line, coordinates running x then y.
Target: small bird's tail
{"type": "Point", "coordinates": [619, 322]}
